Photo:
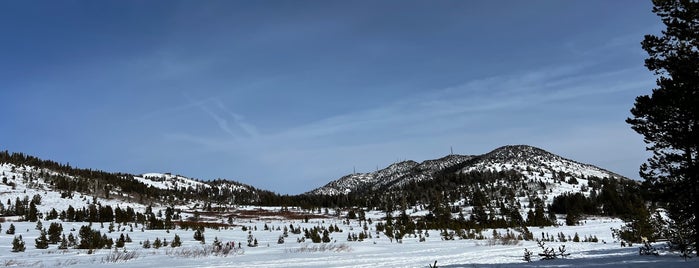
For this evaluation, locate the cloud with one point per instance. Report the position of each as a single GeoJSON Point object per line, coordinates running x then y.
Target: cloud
{"type": "Point", "coordinates": [556, 108]}
{"type": "Point", "coordinates": [227, 121]}
{"type": "Point", "coordinates": [239, 120]}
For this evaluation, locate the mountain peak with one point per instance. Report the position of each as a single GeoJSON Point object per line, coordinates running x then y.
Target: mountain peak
{"type": "Point", "coordinates": [509, 157]}
{"type": "Point", "coordinates": [520, 153]}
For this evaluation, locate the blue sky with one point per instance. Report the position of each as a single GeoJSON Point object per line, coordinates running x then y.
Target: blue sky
{"type": "Point", "coordinates": [289, 95]}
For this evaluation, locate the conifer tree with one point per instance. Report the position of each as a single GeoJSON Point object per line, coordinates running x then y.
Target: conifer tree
{"type": "Point", "coordinates": [11, 229]}
{"type": "Point", "coordinates": [120, 241]}
{"type": "Point", "coordinates": [157, 243]}
{"type": "Point", "coordinates": [326, 237]}
{"type": "Point", "coordinates": [64, 243]}
{"type": "Point", "coordinates": [176, 242]}
{"type": "Point", "coordinates": [18, 244]}
{"type": "Point", "coordinates": [668, 119]}
{"type": "Point", "coordinates": [42, 242]}
{"type": "Point", "coordinates": [54, 232]}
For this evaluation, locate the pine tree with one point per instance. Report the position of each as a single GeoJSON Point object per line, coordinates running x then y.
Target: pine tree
{"type": "Point", "coordinates": [280, 240]}
{"type": "Point", "coordinates": [176, 242]}
{"type": "Point", "coordinates": [18, 244]}
{"type": "Point", "coordinates": [120, 241]}
{"type": "Point", "coordinates": [32, 213]}
{"type": "Point", "coordinates": [64, 243]}
{"type": "Point", "coordinates": [157, 243]}
{"type": "Point", "coordinates": [42, 242]}
{"type": "Point", "coordinates": [71, 240]}
{"type": "Point", "coordinates": [54, 232]}
{"type": "Point", "coordinates": [668, 119]}
{"type": "Point", "coordinates": [217, 243]}
{"type": "Point", "coordinates": [326, 237]}
{"type": "Point", "coordinates": [11, 229]}
{"type": "Point", "coordinates": [198, 235]}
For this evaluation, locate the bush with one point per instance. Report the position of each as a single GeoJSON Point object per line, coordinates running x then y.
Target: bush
{"type": "Point", "coordinates": [203, 251]}
{"type": "Point", "coordinates": [119, 256]}
{"type": "Point", "coordinates": [321, 248]}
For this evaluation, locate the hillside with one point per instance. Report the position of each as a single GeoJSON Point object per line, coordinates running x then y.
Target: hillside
{"type": "Point", "coordinates": [519, 158]}
{"type": "Point", "coordinates": [26, 176]}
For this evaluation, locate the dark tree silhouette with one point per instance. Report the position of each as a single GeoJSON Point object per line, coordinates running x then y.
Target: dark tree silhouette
{"type": "Point", "coordinates": [667, 118]}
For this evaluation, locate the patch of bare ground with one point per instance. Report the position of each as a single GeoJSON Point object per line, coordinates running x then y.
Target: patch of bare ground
{"type": "Point", "coordinates": [261, 213]}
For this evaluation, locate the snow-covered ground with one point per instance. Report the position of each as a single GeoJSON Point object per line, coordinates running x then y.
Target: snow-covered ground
{"type": "Point", "coordinates": [373, 252]}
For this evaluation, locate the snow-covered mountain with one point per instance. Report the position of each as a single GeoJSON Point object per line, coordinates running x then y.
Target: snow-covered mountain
{"type": "Point", "coordinates": [532, 162]}
{"type": "Point", "coordinates": [25, 176]}
{"type": "Point", "coordinates": [393, 175]}
{"type": "Point", "coordinates": [60, 186]}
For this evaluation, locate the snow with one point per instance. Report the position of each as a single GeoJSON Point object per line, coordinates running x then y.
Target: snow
{"type": "Point", "coordinates": [377, 251]}
{"type": "Point", "coordinates": [168, 181]}
{"type": "Point", "coordinates": [373, 252]}
{"type": "Point", "coordinates": [528, 160]}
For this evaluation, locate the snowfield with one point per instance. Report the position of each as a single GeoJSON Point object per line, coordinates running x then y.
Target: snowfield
{"type": "Point", "coordinates": [373, 252]}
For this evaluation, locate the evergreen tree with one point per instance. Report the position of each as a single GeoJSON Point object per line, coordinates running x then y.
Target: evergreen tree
{"type": "Point", "coordinates": [11, 229]}
{"type": "Point", "coordinates": [54, 232]}
{"type": "Point", "coordinates": [157, 243]}
{"type": "Point", "coordinates": [32, 213]}
{"type": "Point", "coordinates": [326, 237]}
{"type": "Point", "coordinates": [42, 242]}
{"type": "Point", "coordinates": [18, 244]}
{"type": "Point", "coordinates": [71, 240]}
{"type": "Point", "coordinates": [64, 243]}
{"type": "Point", "coordinates": [668, 119]}
{"type": "Point", "coordinates": [198, 235]}
{"type": "Point", "coordinates": [120, 241]}
{"type": "Point", "coordinates": [176, 242]}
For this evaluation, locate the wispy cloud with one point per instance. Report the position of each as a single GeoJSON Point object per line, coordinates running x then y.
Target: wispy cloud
{"type": "Point", "coordinates": [238, 119]}
{"type": "Point", "coordinates": [477, 99]}
{"type": "Point", "coordinates": [231, 123]}
{"type": "Point", "coordinates": [537, 107]}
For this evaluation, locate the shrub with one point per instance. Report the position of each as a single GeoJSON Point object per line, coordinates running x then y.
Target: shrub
{"type": "Point", "coordinates": [116, 256]}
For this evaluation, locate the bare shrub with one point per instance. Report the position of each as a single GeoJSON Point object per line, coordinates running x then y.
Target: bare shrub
{"type": "Point", "coordinates": [120, 256]}
{"type": "Point", "coordinates": [66, 262]}
{"type": "Point", "coordinates": [320, 248]}
{"type": "Point", "coordinates": [503, 240]}
{"type": "Point", "coordinates": [16, 263]}
{"type": "Point", "coordinates": [203, 251]}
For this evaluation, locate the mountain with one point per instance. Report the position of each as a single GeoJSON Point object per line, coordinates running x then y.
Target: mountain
{"type": "Point", "coordinates": [26, 176]}
{"type": "Point", "coordinates": [391, 176]}
{"type": "Point", "coordinates": [519, 171]}
{"type": "Point", "coordinates": [523, 159]}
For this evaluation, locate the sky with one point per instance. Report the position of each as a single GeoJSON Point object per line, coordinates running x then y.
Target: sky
{"type": "Point", "coordinates": [290, 95]}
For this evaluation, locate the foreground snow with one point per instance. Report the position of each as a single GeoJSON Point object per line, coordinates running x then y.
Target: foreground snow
{"type": "Point", "coordinates": [373, 252]}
